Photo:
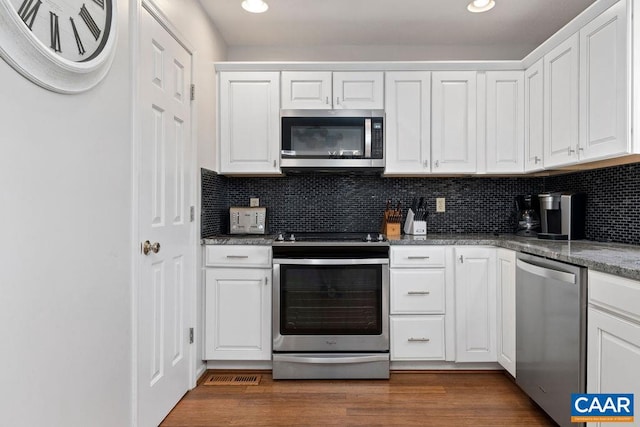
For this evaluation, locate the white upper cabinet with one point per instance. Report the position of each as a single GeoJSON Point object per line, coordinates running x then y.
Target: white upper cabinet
{"type": "Point", "coordinates": [505, 122]}
{"type": "Point", "coordinates": [355, 90]}
{"type": "Point", "coordinates": [534, 117]}
{"type": "Point", "coordinates": [306, 90]}
{"type": "Point", "coordinates": [249, 122]}
{"type": "Point", "coordinates": [561, 71]}
{"type": "Point", "coordinates": [408, 122]}
{"type": "Point", "coordinates": [603, 85]}
{"type": "Point", "coordinates": [453, 143]}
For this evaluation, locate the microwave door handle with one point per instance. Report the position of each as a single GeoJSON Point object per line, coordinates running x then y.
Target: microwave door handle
{"type": "Point", "coordinates": [367, 138]}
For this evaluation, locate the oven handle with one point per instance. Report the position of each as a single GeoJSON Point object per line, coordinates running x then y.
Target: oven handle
{"type": "Point", "coordinates": [331, 261]}
{"type": "Point", "coordinates": [333, 360]}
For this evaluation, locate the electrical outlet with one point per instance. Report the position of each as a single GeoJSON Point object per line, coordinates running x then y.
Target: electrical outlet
{"type": "Point", "coordinates": [254, 202]}
{"type": "Point", "coordinates": [440, 204]}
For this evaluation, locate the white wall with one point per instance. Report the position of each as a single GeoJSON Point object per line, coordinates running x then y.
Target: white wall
{"type": "Point", "coordinates": [65, 297]}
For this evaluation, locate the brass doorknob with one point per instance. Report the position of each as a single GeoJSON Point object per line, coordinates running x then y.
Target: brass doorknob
{"type": "Point", "coordinates": [147, 247]}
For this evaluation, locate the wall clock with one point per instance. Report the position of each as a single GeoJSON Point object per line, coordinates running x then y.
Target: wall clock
{"type": "Point", "coordinates": [66, 46]}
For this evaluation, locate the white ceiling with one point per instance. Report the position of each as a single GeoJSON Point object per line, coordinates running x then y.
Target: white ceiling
{"type": "Point", "coordinates": [514, 26]}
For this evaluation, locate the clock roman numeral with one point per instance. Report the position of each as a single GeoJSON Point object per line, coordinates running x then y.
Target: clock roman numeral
{"type": "Point", "coordinates": [28, 10]}
{"type": "Point", "coordinates": [55, 32]}
{"type": "Point", "coordinates": [81, 50]}
{"type": "Point", "coordinates": [91, 24]}
{"type": "Point", "coordinates": [99, 3]}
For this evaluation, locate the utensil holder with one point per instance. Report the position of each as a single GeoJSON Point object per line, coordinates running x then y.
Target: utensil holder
{"type": "Point", "coordinates": [416, 228]}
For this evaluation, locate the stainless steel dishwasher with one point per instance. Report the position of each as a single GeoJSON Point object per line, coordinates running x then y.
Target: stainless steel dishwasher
{"type": "Point", "coordinates": [551, 319]}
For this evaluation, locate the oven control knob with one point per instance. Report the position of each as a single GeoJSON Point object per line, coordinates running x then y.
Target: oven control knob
{"type": "Point", "coordinates": [280, 237]}
{"type": "Point", "coordinates": [368, 238]}
{"type": "Point", "coordinates": [292, 238]}
{"type": "Point", "coordinates": [380, 237]}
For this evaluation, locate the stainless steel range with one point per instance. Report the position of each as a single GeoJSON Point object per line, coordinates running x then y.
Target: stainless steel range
{"type": "Point", "coordinates": [331, 306]}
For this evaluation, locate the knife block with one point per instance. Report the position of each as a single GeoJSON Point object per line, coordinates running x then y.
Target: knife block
{"type": "Point", "coordinates": [391, 229]}
{"type": "Point", "coordinates": [416, 228]}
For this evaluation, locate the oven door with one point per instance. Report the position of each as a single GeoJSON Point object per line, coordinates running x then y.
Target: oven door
{"type": "Point", "coordinates": [331, 305]}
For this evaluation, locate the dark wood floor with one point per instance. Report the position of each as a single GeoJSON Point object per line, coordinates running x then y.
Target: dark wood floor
{"type": "Point", "coordinates": [407, 399]}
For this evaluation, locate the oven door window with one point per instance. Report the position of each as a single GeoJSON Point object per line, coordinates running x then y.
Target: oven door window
{"type": "Point", "coordinates": [331, 300]}
{"type": "Point", "coordinates": [305, 137]}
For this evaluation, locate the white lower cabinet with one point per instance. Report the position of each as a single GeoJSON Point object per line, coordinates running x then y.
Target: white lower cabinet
{"type": "Point", "coordinates": [475, 301]}
{"type": "Point", "coordinates": [417, 337]}
{"type": "Point", "coordinates": [613, 337]}
{"type": "Point", "coordinates": [418, 288]}
{"type": "Point", "coordinates": [506, 288]}
{"type": "Point", "coordinates": [238, 305]}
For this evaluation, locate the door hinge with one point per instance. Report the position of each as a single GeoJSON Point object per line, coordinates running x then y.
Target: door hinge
{"type": "Point", "coordinates": [190, 335]}
{"type": "Point", "coordinates": [193, 92]}
{"type": "Point", "coordinates": [192, 213]}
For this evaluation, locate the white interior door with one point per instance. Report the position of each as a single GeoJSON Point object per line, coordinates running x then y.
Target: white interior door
{"type": "Point", "coordinates": [166, 277]}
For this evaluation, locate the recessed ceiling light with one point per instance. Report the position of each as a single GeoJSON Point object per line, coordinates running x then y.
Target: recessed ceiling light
{"type": "Point", "coordinates": [477, 6]}
{"type": "Point", "coordinates": [255, 6]}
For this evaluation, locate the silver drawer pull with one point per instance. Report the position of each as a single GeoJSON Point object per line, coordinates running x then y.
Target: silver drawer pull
{"type": "Point", "coordinates": [418, 340]}
{"type": "Point", "coordinates": [418, 293]}
{"type": "Point", "coordinates": [237, 256]}
{"type": "Point", "coordinates": [417, 257]}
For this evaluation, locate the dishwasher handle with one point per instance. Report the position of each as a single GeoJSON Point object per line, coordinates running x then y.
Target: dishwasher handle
{"type": "Point", "coordinates": [546, 272]}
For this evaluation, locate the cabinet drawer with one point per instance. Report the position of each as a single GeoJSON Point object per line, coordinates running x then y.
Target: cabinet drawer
{"type": "Point", "coordinates": [418, 256]}
{"type": "Point", "coordinates": [419, 291]}
{"type": "Point", "coordinates": [237, 256]}
{"type": "Point", "coordinates": [417, 337]}
{"type": "Point", "coordinates": [615, 293]}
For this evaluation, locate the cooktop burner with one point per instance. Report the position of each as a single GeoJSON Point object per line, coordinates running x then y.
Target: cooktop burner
{"type": "Point", "coordinates": [331, 238]}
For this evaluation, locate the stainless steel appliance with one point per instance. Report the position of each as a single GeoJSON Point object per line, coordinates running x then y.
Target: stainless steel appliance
{"type": "Point", "coordinates": [551, 318]}
{"type": "Point", "coordinates": [245, 220]}
{"type": "Point", "coordinates": [331, 306]}
{"type": "Point", "coordinates": [332, 140]}
{"type": "Point", "coordinates": [562, 215]}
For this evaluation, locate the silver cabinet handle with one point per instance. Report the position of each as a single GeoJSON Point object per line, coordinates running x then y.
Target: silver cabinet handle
{"type": "Point", "coordinates": [537, 159]}
{"type": "Point", "coordinates": [418, 339]}
{"type": "Point", "coordinates": [237, 256]}
{"type": "Point", "coordinates": [337, 100]}
{"type": "Point", "coordinates": [571, 151]}
{"type": "Point", "coordinates": [418, 293]}
{"type": "Point", "coordinates": [148, 247]}
{"type": "Point", "coordinates": [417, 257]}
{"type": "Point", "coordinates": [461, 259]}
{"type": "Point", "coordinates": [266, 280]}
{"type": "Point", "coordinates": [437, 164]}
{"type": "Point", "coordinates": [327, 101]}
{"type": "Point", "coordinates": [579, 148]}
{"type": "Point", "coordinates": [426, 163]}
{"type": "Point", "coordinates": [274, 163]}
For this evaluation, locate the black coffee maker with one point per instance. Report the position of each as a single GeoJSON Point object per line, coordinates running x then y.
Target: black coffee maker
{"type": "Point", "coordinates": [527, 208]}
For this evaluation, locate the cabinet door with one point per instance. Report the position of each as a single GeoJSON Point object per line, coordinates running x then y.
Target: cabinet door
{"type": "Point", "coordinates": [408, 122]}
{"type": "Point", "coordinates": [358, 90]}
{"type": "Point", "coordinates": [505, 122]}
{"type": "Point", "coordinates": [238, 314]}
{"type": "Point", "coordinates": [475, 283]}
{"type": "Point", "coordinates": [306, 90]}
{"type": "Point", "coordinates": [506, 288]}
{"type": "Point", "coordinates": [453, 109]}
{"type": "Point", "coordinates": [249, 122]}
{"type": "Point", "coordinates": [534, 117]}
{"type": "Point", "coordinates": [561, 104]}
{"type": "Point", "coordinates": [603, 85]}
{"type": "Point", "coordinates": [613, 356]}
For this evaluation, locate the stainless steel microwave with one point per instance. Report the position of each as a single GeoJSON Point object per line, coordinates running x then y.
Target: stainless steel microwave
{"type": "Point", "coordinates": [332, 140]}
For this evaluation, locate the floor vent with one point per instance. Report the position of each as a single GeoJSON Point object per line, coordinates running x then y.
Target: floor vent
{"type": "Point", "coordinates": [217, 379]}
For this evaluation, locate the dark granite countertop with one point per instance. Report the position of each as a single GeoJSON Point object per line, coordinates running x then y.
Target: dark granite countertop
{"type": "Point", "coordinates": [613, 258]}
